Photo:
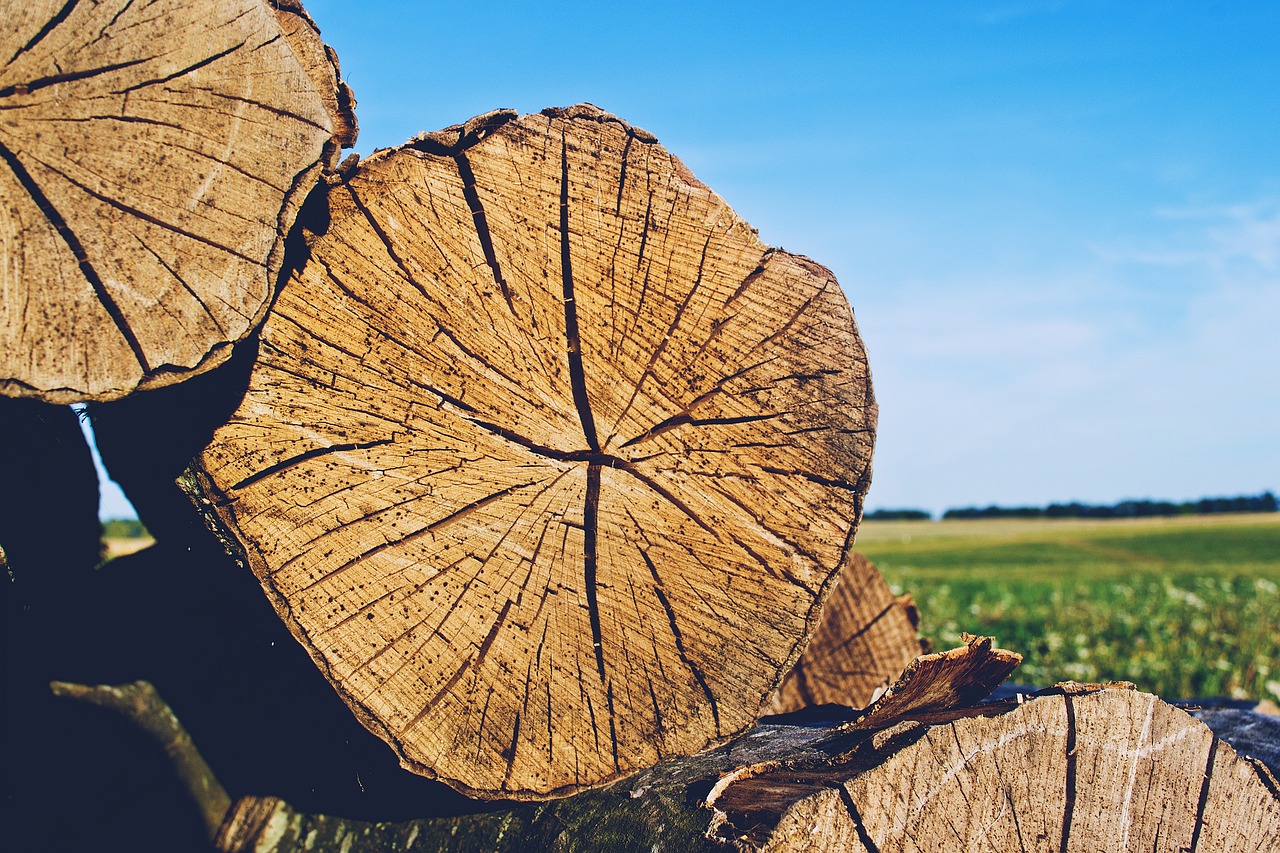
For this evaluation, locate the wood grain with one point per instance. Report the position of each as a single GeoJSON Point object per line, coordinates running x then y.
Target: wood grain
{"type": "Point", "coordinates": [547, 459]}
{"type": "Point", "coordinates": [152, 156]}
{"type": "Point", "coordinates": [864, 641]}
{"type": "Point", "coordinates": [1078, 770]}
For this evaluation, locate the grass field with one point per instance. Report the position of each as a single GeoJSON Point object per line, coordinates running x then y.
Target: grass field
{"type": "Point", "coordinates": [1183, 607]}
{"type": "Point", "coordinates": [120, 546]}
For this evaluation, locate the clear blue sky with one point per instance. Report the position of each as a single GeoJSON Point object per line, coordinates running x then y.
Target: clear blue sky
{"type": "Point", "coordinates": [1058, 222]}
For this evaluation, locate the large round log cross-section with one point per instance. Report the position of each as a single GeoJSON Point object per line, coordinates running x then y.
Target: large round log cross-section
{"type": "Point", "coordinates": [547, 459]}
{"type": "Point", "coordinates": [152, 156]}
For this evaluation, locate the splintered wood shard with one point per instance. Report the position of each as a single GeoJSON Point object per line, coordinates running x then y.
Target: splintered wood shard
{"type": "Point", "coordinates": [955, 678]}
{"type": "Point", "coordinates": [863, 642]}
{"type": "Point", "coordinates": [547, 459]}
{"type": "Point", "coordinates": [152, 155]}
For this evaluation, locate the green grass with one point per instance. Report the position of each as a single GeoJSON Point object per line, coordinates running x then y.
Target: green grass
{"type": "Point", "coordinates": [1183, 607]}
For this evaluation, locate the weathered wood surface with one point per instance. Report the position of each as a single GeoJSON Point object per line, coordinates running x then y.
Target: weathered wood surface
{"type": "Point", "coordinates": [865, 639]}
{"type": "Point", "coordinates": [546, 458]}
{"type": "Point", "coordinates": [320, 62]}
{"type": "Point", "coordinates": [956, 678]}
{"type": "Point", "coordinates": [152, 157]}
{"type": "Point", "coordinates": [1083, 769]}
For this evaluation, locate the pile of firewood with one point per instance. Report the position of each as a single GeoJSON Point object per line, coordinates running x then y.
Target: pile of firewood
{"type": "Point", "coordinates": [551, 468]}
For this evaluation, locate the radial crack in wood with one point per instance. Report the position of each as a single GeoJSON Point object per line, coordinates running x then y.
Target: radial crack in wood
{"type": "Point", "coordinates": [865, 639]}
{"type": "Point", "coordinates": [152, 158]}
{"type": "Point", "coordinates": [547, 459]}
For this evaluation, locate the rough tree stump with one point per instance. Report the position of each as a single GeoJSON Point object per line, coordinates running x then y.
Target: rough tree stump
{"type": "Point", "coordinates": [547, 459]}
{"type": "Point", "coordinates": [152, 157]}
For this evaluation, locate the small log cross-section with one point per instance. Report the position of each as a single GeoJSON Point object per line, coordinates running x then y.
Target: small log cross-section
{"type": "Point", "coordinates": [864, 641]}
{"type": "Point", "coordinates": [152, 156]}
{"type": "Point", "coordinates": [547, 459]}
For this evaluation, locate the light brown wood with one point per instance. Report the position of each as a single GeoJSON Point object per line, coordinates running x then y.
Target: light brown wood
{"type": "Point", "coordinates": [547, 459]}
{"type": "Point", "coordinates": [865, 639]}
{"type": "Point", "coordinates": [152, 155]}
{"type": "Point", "coordinates": [321, 64]}
{"type": "Point", "coordinates": [1109, 769]}
{"type": "Point", "coordinates": [934, 688]}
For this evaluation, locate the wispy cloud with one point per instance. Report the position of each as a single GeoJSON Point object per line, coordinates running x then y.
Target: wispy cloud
{"type": "Point", "coordinates": [1113, 379]}
{"type": "Point", "coordinates": [1234, 239]}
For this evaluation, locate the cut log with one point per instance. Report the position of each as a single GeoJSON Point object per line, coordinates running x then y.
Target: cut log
{"type": "Point", "coordinates": [864, 641]}
{"type": "Point", "coordinates": [546, 459]}
{"type": "Point", "coordinates": [152, 157]}
{"type": "Point", "coordinates": [321, 64]}
{"type": "Point", "coordinates": [1081, 769]}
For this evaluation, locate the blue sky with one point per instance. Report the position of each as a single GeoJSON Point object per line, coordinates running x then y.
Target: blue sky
{"type": "Point", "coordinates": [1058, 223]}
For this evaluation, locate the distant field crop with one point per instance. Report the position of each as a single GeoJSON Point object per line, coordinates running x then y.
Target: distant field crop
{"type": "Point", "coordinates": [1183, 607]}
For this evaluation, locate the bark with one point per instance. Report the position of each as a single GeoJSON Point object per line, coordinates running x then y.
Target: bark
{"type": "Point", "coordinates": [864, 641]}
{"type": "Point", "coordinates": [140, 703]}
{"type": "Point", "coordinates": [152, 158]}
{"type": "Point", "coordinates": [546, 458]}
{"type": "Point", "coordinates": [957, 678]}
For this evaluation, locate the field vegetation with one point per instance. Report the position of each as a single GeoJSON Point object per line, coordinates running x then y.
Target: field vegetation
{"type": "Point", "coordinates": [121, 536]}
{"type": "Point", "coordinates": [1185, 607]}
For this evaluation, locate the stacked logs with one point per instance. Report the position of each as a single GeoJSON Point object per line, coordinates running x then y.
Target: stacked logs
{"type": "Point", "coordinates": [551, 468]}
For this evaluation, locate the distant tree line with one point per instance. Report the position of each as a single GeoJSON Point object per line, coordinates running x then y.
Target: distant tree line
{"type": "Point", "coordinates": [1265, 502]}
{"type": "Point", "coordinates": [898, 515]}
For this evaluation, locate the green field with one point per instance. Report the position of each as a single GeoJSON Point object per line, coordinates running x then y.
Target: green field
{"type": "Point", "coordinates": [1183, 607]}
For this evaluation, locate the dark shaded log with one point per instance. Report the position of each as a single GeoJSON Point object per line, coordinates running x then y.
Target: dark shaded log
{"type": "Point", "coordinates": [246, 691]}
{"type": "Point", "coordinates": [147, 440]}
{"type": "Point", "coordinates": [787, 787]}
{"type": "Point", "coordinates": [49, 530]}
{"type": "Point", "coordinates": [141, 704]}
